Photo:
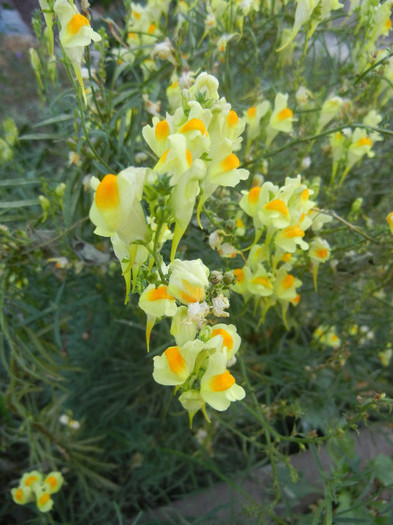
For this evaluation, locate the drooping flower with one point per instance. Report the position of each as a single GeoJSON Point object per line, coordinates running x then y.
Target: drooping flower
{"type": "Point", "coordinates": [75, 34]}
{"type": "Point", "coordinates": [319, 252]}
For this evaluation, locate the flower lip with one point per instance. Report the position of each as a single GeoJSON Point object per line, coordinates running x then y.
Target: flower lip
{"type": "Point", "coordinates": [175, 360]}
{"type": "Point", "coordinates": [227, 338]}
{"type": "Point", "coordinates": [285, 114]}
{"type": "Point", "coordinates": [107, 193]}
{"type": "Point", "coordinates": [192, 125]}
{"type": "Point", "coordinates": [76, 23]}
{"type": "Point", "coordinates": [221, 382]}
{"type": "Point", "coordinates": [277, 205]}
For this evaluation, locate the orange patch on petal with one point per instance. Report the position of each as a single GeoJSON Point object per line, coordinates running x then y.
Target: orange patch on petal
{"type": "Point", "coordinates": [262, 280]}
{"type": "Point", "coordinates": [277, 205]}
{"type": "Point", "coordinates": [52, 481]}
{"type": "Point", "coordinates": [286, 257]}
{"type": "Point", "coordinates": [230, 163]}
{"type": "Point", "coordinates": [19, 495]}
{"type": "Point", "coordinates": [162, 130]}
{"type": "Point", "coordinates": [107, 194]}
{"type": "Point", "coordinates": [192, 125]}
{"type": "Point", "coordinates": [43, 499]}
{"type": "Point", "coordinates": [76, 23]}
{"type": "Point", "coordinates": [365, 141]}
{"type": "Point", "coordinates": [253, 195]}
{"type": "Point", "coordinates": [151, 29]}
{"type": "Point", "coordinates": [222, 382]}
{"type": "Point", "coordinates": [227, 338]}
{"type": "Point", "coordinates": [30, 480]}
{"type": "Point", "coordinates": [189, 158]}
{"type": "Point", "coordinates": [305, 195]}
{"type": "Point", "coordinates": [288, 281]}
{"type": "Point", "coordinates": [322, 253]}
{"type": "Point", "coordinates": [192, 293]}
{"type": "Point", "coordinates": [232, 119]}
{"type": "Point", "coordinates": [159, 293]}
{"type": "Point", "coordinates": [293, 231]}
{"type": "Point", "coordinates": [252, 112]}
{"type": "Point", "coordinates": [296, 300]}
{"type": "Point", "coordinates": [239, 274]}
{"type": "Point", "coordinates": [175, 360]}
{"type": "Point", "coordinates": [239, 223]}
{"type": "Point", "coordinates": [285, 114]}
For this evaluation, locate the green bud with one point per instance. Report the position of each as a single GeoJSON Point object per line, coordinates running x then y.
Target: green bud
{"type": "Point", "coordinates": [356, 205]}
{"type": "Point", "coordinates": [52, 68]}
{"type": "Point", "coordinates": [229, 278]}
{"type": "Point", "coordinates": [205, 333]}
{"type": "Point", "coordinates": [45, 205]}
{"type": "Point", "coordinates": [35, 60]}
{"type": "Point", "coordinates": [60, 189]}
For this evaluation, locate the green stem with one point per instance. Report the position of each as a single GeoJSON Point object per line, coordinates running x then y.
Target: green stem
{"type": "Point", "coordinates": [82, 115]}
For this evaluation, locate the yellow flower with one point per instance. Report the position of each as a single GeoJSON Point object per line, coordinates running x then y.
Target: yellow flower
{"type": "Point", "coordinates": [116, 207]}
{"type": "Point", "coordinates": [75, 34]}
{"type": "Point", "coordinates": [290, 237]}
{"type": "Point", "coordinates": [22, 495]}
{"type": "Point", "coordinates": [43, 499]}
{"type": "Point", "coordinates": [280, 120]}
{"type": "Point", "coordinates": [329, 110]}
{"type": "Point", "coordinates": [188, 281]}
{"type": "Point", "coordinates": [156, 302]}
{"type": "Point", "coordinates": [389, 218]}
{"type": "Point", "coordinates": [260, 282]}
{"type": "Point", "coordinates": [218, 386]}
{"type": "Point", "coordinates": [230, 340]}
{"type": "Point", "coordinates": [285, 285]}
{"type": "Point", "coordinates": [53, 482]}
{"type": "Point", "coordinates": [30, 479]}
{"type": "Point", "coordinates": [319, 253]}
{"type": "Point", "coordinates": [252, 117]}
{"type": "Point", "coordinates": [176, 364]}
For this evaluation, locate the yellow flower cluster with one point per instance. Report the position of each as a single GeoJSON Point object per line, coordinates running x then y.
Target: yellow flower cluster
{"type": "Point", "coordinates": [195, 148]}
{"type": "Point", "coordinates": [283, 214]}
{"type": "Point", "coordinates": [197, 363]}
{"type": "Point", "coordinates": [34, 487]}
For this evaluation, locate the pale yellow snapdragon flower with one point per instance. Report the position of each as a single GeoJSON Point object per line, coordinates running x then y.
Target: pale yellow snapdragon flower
{"type": "Point", "coordinates": [75, 34]}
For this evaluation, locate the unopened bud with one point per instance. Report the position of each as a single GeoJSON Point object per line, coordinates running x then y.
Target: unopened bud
{"type": "Point", "coordinates": [356, 205]}
{"type": "Point", "coordinates": [215, 277]}
{"type": "Point", "coordinates": [35, 60]}
{"type": "Point", "coordinates": [52, 68]}
{"type": "Point", "coordinates": [229, 278]}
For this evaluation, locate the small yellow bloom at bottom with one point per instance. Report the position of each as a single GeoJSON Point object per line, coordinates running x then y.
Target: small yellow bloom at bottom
{"type": "Point", "coordinates": [44, 501]}
{"type": "Point", "coordinates": [389, 218]}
